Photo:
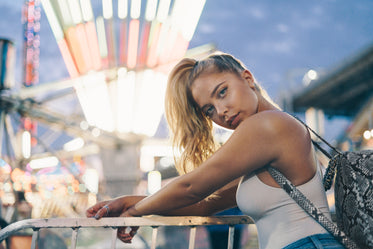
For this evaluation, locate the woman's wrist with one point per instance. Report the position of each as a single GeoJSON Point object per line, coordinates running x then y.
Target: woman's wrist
{"type": "Point", "coordinates": [132, 211]}
{"type": "Point", "coordinates": [129, 200]}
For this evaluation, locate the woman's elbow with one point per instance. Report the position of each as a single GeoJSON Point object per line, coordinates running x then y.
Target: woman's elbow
{"type": "Point", "coordinates": [192, 194]}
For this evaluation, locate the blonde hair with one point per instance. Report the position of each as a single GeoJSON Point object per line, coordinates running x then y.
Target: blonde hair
{"type": "Point", "coordinates": [191, 130]}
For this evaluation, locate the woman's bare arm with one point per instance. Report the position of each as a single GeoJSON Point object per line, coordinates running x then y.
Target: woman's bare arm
{"type": "Point", "coordinates": [257, 142]}
{"type": "Point", "coordinates": [221, 200]}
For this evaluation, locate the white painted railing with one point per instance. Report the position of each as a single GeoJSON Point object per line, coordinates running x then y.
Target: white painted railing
{"type": "Point", "coordinates": [148, 221]}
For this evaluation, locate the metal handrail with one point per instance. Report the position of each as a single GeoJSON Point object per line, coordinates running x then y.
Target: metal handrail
{"type": "Point", "coordinates": [146, 221]}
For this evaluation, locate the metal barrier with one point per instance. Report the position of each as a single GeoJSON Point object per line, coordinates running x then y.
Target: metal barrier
{"type": "Point", "coordinates": [147, 221]}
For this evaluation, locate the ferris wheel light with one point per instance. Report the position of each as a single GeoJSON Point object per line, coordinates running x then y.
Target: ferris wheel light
{"type": "Point", "coordinates": [94, 49]}
{"type": "Point", "coordinates": [135, 9]}
{"type": "Point", "coordinates": [93, 95]}
{"type": "Point", "coordinates": [151, 8]}
{"type": "Point", "coordinates": [122, 9]}
{"type": "Point", "coordinates": [67, 57]}
{"type": "Point", "coordinates": [53, 20]}
{"type": "Point", "coordinates": [75, 11]}
{"type": "Point", "coordinates": [72, 36]}
{"type": "Point", "coordinates": [186, 14]}
{"type": "Point", "coordinates": [164, 7]}
{"type": "Point", "coordinates": [101, 36]}
{"type": "Point", "coordinates": [83, 42]}
{"type": "Point", "coordinates": [133, 41]}
{"type": "Point", "coordinates": [107, 9]}
{"type": "Point", "coordinates": [125, 100]}
{"type": "Point", "coordinates": [86, 10]}
{"type": "Point", "coordinates": [66, 18]}
{"type": "Point", "coordinates": [151, 37]}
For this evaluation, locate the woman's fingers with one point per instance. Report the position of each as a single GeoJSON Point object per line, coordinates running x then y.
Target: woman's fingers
{"type": "Point", "coordinates": [92, 211]}
{"type": "Point", "coordinates": [124, 236]}
{"type": "Point", "coordinates": [102, 212]}
{"type": "Point", "coordinates": [134, 231]}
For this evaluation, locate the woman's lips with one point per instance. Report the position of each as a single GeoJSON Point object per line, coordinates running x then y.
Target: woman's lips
{"type": "Point", "coordinates": [233, 121]}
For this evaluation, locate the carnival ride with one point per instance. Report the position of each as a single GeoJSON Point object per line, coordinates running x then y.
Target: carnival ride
{"type": "Point", "coordinates": [117, 54]}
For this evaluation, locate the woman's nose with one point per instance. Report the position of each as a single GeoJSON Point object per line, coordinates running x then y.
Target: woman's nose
{"type": "Point", "coordinates": [221, 111]}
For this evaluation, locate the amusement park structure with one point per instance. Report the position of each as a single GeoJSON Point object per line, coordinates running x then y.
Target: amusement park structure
{"type": "Point", "coordinates": [117, 54]}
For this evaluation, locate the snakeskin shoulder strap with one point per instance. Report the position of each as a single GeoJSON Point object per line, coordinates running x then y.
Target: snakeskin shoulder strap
{"type": "Point", "coordinates": [331, 169]}
{"type": "Point", "coordinates": [308, 206]}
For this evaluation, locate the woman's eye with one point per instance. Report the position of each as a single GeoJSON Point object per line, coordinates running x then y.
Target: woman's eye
{"type": "Point", "coordinates": [222, 92]}
{"type": "Point", "coordinates": [209, 112]}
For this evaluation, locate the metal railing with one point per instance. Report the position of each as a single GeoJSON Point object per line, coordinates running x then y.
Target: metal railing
{"type": "Point", "coordinates": [154, 222]}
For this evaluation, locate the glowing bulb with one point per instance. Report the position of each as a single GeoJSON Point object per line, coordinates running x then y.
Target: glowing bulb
{"type": "Point", "coordinates": [312, 74]}
{"type": "Point", "coordinates": [74, 144]}
{"type": "Point", "coordinates": [26, 144]}
{"type": "Point", "coordinates": [45, 162]}
{"type": "Point", "coordinates": [367, 134]}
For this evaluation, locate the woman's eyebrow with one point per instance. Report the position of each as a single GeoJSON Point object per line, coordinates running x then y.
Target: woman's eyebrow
{"type": "Point", "coordinates": [215, 89]}
{"type": "Point", "coordinates": [212, 95]}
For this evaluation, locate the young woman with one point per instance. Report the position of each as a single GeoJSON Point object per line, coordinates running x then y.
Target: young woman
{"type": "Point", "coordinates": [220, 89]}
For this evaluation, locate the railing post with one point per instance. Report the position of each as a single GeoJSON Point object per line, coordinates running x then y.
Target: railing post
{"type": "Point", "coordinates": [74, 237]}
{"type": "Point", "coordinates": [192, 237]}
{"type": "Point", "coordinates": [35, 235]}
{"type": "Point", "coordinates": [230, 237]}
{"type": "Point", "coordinates": [114, 238]}
{"type": "Point", "coordinates": [154, 237]}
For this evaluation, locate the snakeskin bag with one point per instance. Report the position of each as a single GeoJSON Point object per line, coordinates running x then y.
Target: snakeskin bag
{"type": "Point", "coordinates": [353, 191]}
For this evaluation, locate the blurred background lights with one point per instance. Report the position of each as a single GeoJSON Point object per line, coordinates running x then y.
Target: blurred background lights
{"type": "Point", "coordinates": [91, 179]}
{"type": "Point", "coordinates": [84, 125]}
{"type": "Point", "coordinates": [310, 76]}
{"type": "Point", "coordinates": [74, 144]}
{"type": "Point", "coordinates": [45, 162]}
{"type": "Point", "coordinates": [26, 144]}
{"type": "Point", "coordinates": [154, 181]}
{"type": "Point", "coordinates": [96, 132]}
{"type": "Point", "coordinates": [4, 167]}
{"type": "Point", "coordinates": [166, 162]}
{"type": "Point", "coordinates": [147, 163]}
{"type": "Point", "coordinates": [368, 134]}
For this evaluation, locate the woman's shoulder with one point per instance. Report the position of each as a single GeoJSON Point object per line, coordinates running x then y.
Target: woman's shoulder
{"type": "Point", "coordinates": [272, 120]}
{"type": "Point", "coordinates": [279, 126]}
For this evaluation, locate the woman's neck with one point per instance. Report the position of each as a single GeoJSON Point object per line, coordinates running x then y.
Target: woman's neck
{"type": "Point", "coordinates": [265, 105]}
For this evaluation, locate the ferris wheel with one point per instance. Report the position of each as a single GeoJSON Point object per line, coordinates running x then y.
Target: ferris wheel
{"type": "Point", "coordinates": [117, 54]}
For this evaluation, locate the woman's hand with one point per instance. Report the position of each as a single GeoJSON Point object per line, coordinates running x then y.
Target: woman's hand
{"type": "Point", "coordinates": [116, 208]}
{"type": "Point", "coordinates": [97, 209]}
{"type": "Point", "coordinates": [110, 208]}
{"type": "Point", "coordinates": [113, 208]}
{"type": "Point", "coordinates": [125, 236]}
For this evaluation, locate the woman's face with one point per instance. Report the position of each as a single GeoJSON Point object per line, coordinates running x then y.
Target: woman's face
{"type": "Point", "coordinates": [225, 97]}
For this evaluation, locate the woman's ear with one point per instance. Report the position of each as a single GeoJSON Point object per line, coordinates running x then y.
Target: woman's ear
{"type": "Point", "coordinates": [248, 77]}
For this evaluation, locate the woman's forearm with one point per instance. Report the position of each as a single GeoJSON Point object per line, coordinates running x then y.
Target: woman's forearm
{"type": "Point", "coordinates": [223, 199]}
{"type": "Point", "coordinates": [171, 197]}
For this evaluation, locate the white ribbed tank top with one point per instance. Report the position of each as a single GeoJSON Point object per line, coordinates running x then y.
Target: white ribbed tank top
{"type": "Point", "coordinates": [279, 220]}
